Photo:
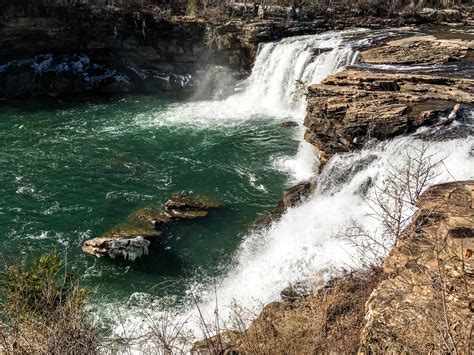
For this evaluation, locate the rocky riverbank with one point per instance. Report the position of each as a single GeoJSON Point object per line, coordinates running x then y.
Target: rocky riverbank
{"type": "Point", "coordinates": [426, 304]}
{"type": "Point", "coordinates": [421, 299]}
{"type": "Point", "coordinates": [62, 48]}
{"type": "Point", "coordinates": [348, 109]}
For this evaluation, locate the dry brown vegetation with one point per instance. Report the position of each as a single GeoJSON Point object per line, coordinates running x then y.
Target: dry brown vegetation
{"type": "Point", "coordinates": [43, 309]}
{"type": "Point", "coordinates": [327, 321]}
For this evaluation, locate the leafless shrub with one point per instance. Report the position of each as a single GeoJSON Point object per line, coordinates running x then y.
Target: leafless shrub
{"type": "Point", "coordinates": [393, 203]}
{"type": "Point", "coordinates": [44, 309]}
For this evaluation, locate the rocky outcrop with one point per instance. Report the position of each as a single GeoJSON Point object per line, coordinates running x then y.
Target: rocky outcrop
{"type": "Point", "coordinates": [127, 241]}
{"type": "Point", "coordinates": [442, 15]}
{"type": "Point", "coordinates": [419, 50]}
{"type": "Point", "coordinates": [143, 227]}
{"type": "Point", "coordinates": [126, 50]}
{"type": "Point", "coordinates": [426, 304]}
{"type": "Point", "coordinates": [292, 197]}
{"type": "Point", "coordinates": [129, 48]}
{"type": "Point", "coordinates": [325, 321]}
{"type": "Point", "coordinates": [349, 108]}
{"type": "Point", "coordinates": [185, 205]}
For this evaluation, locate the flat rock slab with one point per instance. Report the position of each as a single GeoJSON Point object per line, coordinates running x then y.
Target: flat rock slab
{"type": "Point", "coordinates": [348, 108]}
{"type": "Point", "coordinates": [419, 50]}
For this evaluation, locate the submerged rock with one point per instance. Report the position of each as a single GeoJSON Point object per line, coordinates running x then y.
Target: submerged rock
{"type": "Point", "coordinates": [132, 239]}
{"type": "Point", "coordinates": [289, 124]}
{"type": "Point", "coordinates": [188, 205]}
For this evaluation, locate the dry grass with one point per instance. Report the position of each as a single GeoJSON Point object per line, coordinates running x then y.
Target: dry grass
{"type": "Point", "coordinates": [43, 309]}
{"type": "Point", "coordinates": [330, 320]}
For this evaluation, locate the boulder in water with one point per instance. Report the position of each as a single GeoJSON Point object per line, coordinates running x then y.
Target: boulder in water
{"type": "Point", "coordinates": [292, 196]}
{"type": "Point", "coordinates": [127, 241]}
{"type": "Point", "coordinates": [289, 124]}
{"type": "Point", "coordinates": [132, 239]}
{"type": "Point", "coordinates": [186, 205]}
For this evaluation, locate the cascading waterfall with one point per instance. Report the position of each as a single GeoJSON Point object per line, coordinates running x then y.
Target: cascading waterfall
{"type": "Point", "coordinates": [304, 244]}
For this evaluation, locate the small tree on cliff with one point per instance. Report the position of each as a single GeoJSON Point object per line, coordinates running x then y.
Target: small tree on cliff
{"type": "Point", "coordinates": [393, 202]}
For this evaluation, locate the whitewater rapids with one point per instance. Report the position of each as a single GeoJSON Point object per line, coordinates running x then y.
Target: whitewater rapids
{"type": "Point", "coordinates": [304, 244]}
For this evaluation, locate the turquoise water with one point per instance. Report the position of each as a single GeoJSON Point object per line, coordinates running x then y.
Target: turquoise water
{"type": "Point", "coordinates": [73, 169]}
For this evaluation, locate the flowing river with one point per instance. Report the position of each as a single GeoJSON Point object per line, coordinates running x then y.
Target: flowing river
{"type": "Point", "coordinates": [71, 170]}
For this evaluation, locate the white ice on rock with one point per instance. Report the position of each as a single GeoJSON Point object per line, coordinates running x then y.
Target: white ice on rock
{"type": "Point", "coordinates": [129, 249]}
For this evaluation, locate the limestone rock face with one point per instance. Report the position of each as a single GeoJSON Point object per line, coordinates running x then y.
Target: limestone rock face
{"type": "Point", "coordinates": [419, 50]}
{"type": "Point", "coordinates": [348, 108]}
{"type": "Point", "coordinates": [427, 301]}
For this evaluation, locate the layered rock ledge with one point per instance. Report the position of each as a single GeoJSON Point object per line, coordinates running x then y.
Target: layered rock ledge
{"type": "Point", "coordinates": [426, 303]}
{"type": "Point", "coordinates": [132, 238]}
{"type": "Point", "coordinates": [419, 50]}
{"type": "Point", "coordinates": [349, 108]}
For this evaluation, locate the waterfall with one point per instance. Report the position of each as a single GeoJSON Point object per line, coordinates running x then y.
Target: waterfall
{"type": "Point", "coordinates": [276, 86]}
{"type": "Point", "coordinates": [305, 243]}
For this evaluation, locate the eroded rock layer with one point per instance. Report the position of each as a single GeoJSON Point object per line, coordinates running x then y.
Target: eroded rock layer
{"type": "Point", "coordinates": [419, 50]}
{"type": "Point", "coordinates": [349, 108]}
{"type": "Point", "coordinates": [427, 302]}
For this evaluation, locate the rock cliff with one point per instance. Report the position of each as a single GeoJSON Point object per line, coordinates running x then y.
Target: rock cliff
{"type": "Point", "coordinates": [349, 108]}
{"type": "Point", "coordinates": [141, 46]}
{"type": "Point", "coordinates": [426, 303]}
{"type": "Point", "coordinates": [125, 48]}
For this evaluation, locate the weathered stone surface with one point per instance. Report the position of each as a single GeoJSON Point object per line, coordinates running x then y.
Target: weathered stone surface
{"type": "Point", "coordinates": [441, 15]}
{"type": "Point", "coordinates": [145, 224]}
{"type": "Point", "coordinates": [348, 108]}
{"type": "Point", "coordinates": [103, 246]}
{"type": "Point", "coordinates": [185, 205]}
{"type": "Point", "coordinates": [418, 50]}
{"type": "Point", "coordinates": [426, 304]}
{"type": "Point", "coordinates": [292, 196]}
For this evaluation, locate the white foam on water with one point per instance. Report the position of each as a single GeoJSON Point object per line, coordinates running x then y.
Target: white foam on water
{"type": "Point", "coordinates": [274, 89]}
{"type": "Point", "coordinates": [305, 243]}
